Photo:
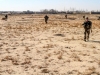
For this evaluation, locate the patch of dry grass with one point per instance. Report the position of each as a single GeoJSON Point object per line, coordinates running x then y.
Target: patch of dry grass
{"type": "Point", "coordinates": [29, 45]}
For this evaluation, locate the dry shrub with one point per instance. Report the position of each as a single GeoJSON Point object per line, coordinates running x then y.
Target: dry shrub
{"type": "Point", "coordinates": [38, 51]}
{"type": "Point", "coordinates": [75, 57]}
{"type": "Point", "coordinates": [98, 62]}
{"type": "Point", "coordinates": [93, 46]}
{"type": "Point", "coordinates": [46, 57]}
{"type": "Point", "coordinates": [49, 54]}
{"type": "Point", "coordinates": [8, 50]}
{"type": "Point", "coordinates": [27, 61]}
{"type": "Point", "coordinates": [69, 72]}
{"type": "Point", "coordinates": [89, 71]}
{"type": "Point", "coordinates": [15, 62]}
{"type": "Point", "coordinates": [80, 38]}
{"type": "Point", "coordinates": [57, 52]}
{"type": "Point", "coordinates": [60, 55]}
{"type": "Point", "coordinates": [75, 72]}
{"type": "Point", "coordinates": [68, 60]}
{"type": "Point", "coordinates": [66, 39]}
{"type": "Point", "coordinates": [40, 67]}
{"type": "Point", "coordinates": [49, 46]}
{"type": "Point", "coordinates": [84, 54]}
{"type": "Point", "coordinates": [50, 60]}
{"type": "Point", "coordinates": [10, 71]}
{"type": "Point", "coordinates": [19, 27]}
{"type": "Point", "coordinates": [73, 38]}
{"type": "Point", "coordinates": [27, 49]}
{"type": "Point", "coordinates": [45, 71]}
{"type": "Point", "coordinates": [7, 58]}
{"type": "Point", "coordinates": [84, 45]}
{"type": "Point", "coordinates": [56, 71]}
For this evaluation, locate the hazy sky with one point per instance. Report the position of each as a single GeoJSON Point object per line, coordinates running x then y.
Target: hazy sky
{"type": "Point", "coordinates": [37, 5]}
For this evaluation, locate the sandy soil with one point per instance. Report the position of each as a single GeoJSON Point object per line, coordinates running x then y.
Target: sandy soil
{"type": "Point", "coordinates": [28, 46]}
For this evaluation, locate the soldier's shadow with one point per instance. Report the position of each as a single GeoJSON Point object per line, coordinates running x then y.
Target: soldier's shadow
{"type": "Point", "coordinates": [94, 41]}
{"type": "Point", "coordinates": [62, 35]}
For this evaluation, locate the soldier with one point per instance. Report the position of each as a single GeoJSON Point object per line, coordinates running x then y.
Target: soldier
{"type": "Point", "coordinates": [66, 16]}
{"type": "Point", "coordinates": [46, 18]}
{"type": "Point", "coordinates": [84, 17]}
{"type": "Point", "coordinates": [87, 26]}
{"type": "Point", "coordinates": [6, 16]}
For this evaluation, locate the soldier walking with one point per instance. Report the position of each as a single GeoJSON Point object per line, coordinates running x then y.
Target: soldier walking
{"type": "Point", "coordinates": [6, 16]}
{"type": "Point", "coordinates": [66, 16]}
{"type": "Point", "coordinates": [46, 18]}
{"type": "Point", "coordinates": [84, 17]}
{"type": "Point", "coordinates": [88, 27]}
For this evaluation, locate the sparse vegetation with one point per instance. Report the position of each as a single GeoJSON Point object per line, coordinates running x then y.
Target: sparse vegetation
{"type": "Point", "coordinates": [29, 45]}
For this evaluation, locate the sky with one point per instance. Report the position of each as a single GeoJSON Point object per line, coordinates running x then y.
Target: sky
{"type": "Point", "coordinates": [38, 5]}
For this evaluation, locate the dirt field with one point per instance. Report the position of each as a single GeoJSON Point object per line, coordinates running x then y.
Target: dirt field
{"type": "Point", "coordinates": [28, 46]}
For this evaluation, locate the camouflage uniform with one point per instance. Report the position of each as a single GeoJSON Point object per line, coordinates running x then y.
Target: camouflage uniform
{"type": "Point", "coordinates": [84, 17]}
{"type": "Point", "coordinates": [6, 16]}
{"type": "Point", "coordinates": [87, 26]}
{"type": "Point", "coordinates": [66, 16]}
{"type": "Point", "coordinates": [46, 19]}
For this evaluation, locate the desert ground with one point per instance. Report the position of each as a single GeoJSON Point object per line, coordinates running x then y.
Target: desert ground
{"type": "Point", "coordinates": [28, 46]}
